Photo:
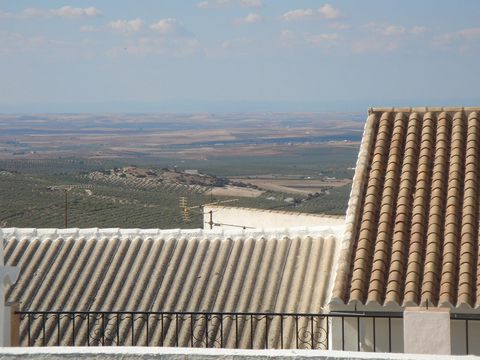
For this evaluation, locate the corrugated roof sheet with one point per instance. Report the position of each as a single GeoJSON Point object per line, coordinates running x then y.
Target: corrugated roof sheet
{"type": "Point", "coordinates": [412, 224]}
{"type": "Point", "coordinates": [151, 270]}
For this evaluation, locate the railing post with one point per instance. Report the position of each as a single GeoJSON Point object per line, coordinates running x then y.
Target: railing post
{"type": "Point", "coordinates": [146, 322]}
{"type": "Point", "coordinates": [73, 328]}
{"type": "Point", "coordinates": [281, 331]}
{"type": "Point", "coordinates": [251, 331]}
{"type": "Point", "coordinates": [389, 334]}
{"type": "Point", "coordinates": [236, 331]}
{"type": "Point", "coordinates": [358, 333]}
{"type": "Point", "coordinates": [221, 331]}
{"type": "Point", "coordinates": [29, 330]}
{"type": "Point", "coordinates": [206, 330]}
{"type": "Point", "coordinates": [119, 318]}
{"type": "Point", "coordinates": [191, 330]}
{"type": "Point", "coordinates": [311, 330]}
{"type": "Point", "coordinates": [161, 333]}
{"type": "Point", "coordinates": [58, 328]}
{"type": "Point", "coordinates": [176, 329]}
{"type": "Point", "coordinates": [133, 335]}
{"type": "Point", "coordinates": [266, 332]}
{"type": "Point", "coordinates": [327, 332]}
{"type": "Point", "coordinates": [88, 329]}
{"type": "Point", "coordinates": [103, 329]}
{"type": "Point", "coordinates": [43, 329]}
{"type": "Point", "coordinates": [296, 330]}
{"type": "Point", "coordinates": [466, 338]}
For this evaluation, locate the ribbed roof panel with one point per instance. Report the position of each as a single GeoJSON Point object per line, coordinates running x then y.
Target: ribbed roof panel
{"type": "Point", "coordinates": [167, 271]}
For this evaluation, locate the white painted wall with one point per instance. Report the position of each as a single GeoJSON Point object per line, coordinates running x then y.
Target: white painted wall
{"type": "Point", "coordinates": [133, 353]}
{"type": "Point", "coordinates": [234, 218]}
{"type": "Point", "coordinates": [427, 331]}
{"type": "Point", "coordinates": [458, 330]}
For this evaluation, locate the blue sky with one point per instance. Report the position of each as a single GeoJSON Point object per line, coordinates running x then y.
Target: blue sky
{"type": "Point", "coordinates": [237, 55]}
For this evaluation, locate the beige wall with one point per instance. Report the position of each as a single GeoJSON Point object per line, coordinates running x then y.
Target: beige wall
{"type": "Point", "coordinates": [234, 218]}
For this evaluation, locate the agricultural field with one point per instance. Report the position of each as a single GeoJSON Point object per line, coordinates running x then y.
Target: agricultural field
{"type": "Point", "coordinates": [299, 162]}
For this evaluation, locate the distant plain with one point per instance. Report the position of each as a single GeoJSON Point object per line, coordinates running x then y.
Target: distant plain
{"type": "Point", "coordinates": [290, 161]}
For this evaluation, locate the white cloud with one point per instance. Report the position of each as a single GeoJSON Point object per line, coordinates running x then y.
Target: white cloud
{"type": "Point", "coordinates": [166, 26]}
{"type": "Point", "coordinates": [203, 5]}
{"type": "Point", "coordinates": [235, 43]}
{"type": "Point", "coordinates": [321, 39]}
{"type": "Point", "coordinates": [394, 30]}
{"type": "Point", "coordinates": [30, 13]}
{"type": "Point", "coordinates": [66, 12]}
{"type": "Point", "coordinates": [126, 26]}
{"type": "Point", "coordinates": [469, 34]}
{"type": "Point", "coordinates": [249, 19]}
{"type": "Point", "coordinates": [418, 30]}
{"type": "Point", "coordinates": [5, 15]}
{"type": "Point", "coordinates": [298, 15]}
{"type": "Point", "coordinates": [166, 37]}
{"type": "Point", "coordinates": [329, 12]}
{"type": "Point", "coordinates": [340, 26]}
{"type": "Point", "coordinates": [240, 46]}
{"type": "Point", "coordinates": [14, 43]}
{"type": "Point", "coordinates": [176, 47]}
{"type": "Point", "coordinates": [385, 29]}
{"type": "Point", "coordinates": [215, 4]}
{"type": "Point", "coordinates": [386, 38]}
{"type": "Point", "coordinates": [251, 3]}
{"type": "Point", "coordinates": [88, 28]}
{"type": "Point", "coordinates": [464, 40]}
{"type": "Point", "coordinates": [73, 12]}
{"type": "Point", "coordinates": [369, 46]}
{"type": "Point", "coordinates": [326, 11]}
{"type": "Point", "coordinates": [218, 4]}
{"type": "Point", "coordinates": [289, 38]}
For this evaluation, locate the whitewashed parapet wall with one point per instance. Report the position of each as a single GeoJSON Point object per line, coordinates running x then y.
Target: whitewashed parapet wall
{"type": "Point", "coordinates": [229, 217]}
{"type": "Point", "coordinates": [9, 275]}
{"type": "Point", "coordinates": [99, 233]}
{"type": "Point", "coordinates": [353, 210]}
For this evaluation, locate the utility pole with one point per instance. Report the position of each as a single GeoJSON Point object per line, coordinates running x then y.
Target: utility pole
{"type": "Point", "coordinates": [66, 189]}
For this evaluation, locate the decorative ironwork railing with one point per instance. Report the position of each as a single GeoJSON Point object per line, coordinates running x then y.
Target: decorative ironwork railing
{"type": "Point", "coordinates": [206, 329]}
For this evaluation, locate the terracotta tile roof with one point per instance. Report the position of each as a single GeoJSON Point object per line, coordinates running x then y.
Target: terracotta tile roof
{"type": "Point", "coordinates": [152, 270]}
{"type": "Point", "coordinates": [412, 224]}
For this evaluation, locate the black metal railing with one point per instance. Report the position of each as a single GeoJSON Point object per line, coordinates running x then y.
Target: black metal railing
{"type": "Point", "coordinates": [342, 331]}
{"type": "Point", "coordinates": [470, 324]}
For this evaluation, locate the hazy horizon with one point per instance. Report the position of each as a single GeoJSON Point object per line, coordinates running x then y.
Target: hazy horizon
{"type": "Point", "coordinates": [219, 108]}
{"type": "Point", "coordinates": [236, 55]}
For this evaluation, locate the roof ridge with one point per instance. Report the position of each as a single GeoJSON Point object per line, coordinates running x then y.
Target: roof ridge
{"type": "Point", "coordinates": [422, 109]}
{"type": "Point", "coordinates": [144, 233]}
